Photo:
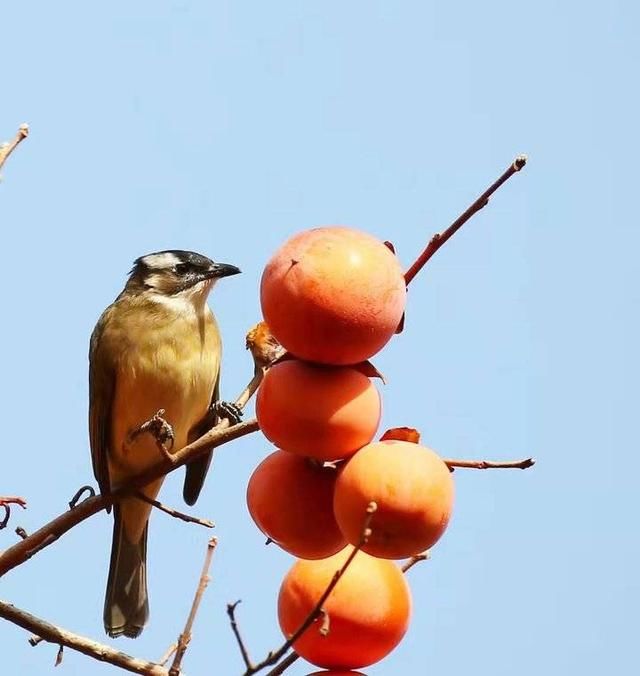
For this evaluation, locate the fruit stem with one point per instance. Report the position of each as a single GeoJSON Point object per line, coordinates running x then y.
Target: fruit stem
{"type": "Point", "coordinates": [440, 238]}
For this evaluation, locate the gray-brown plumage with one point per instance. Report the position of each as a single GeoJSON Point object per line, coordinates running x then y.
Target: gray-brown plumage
{"type": "Point", "coordinates": [156, 347]}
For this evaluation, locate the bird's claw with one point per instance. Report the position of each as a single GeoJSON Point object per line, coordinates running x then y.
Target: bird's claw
{"type": "Point", "coordinates": [159, 429]}
{"type": "Point", "coordinates": [225, 409]}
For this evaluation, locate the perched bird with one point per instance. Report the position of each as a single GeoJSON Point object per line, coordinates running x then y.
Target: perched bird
{"type": "Point", "coordinates": [153, 378]}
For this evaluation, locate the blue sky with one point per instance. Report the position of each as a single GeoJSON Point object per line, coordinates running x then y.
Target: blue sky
{"type": "Point", "coordinates": [224, 128]}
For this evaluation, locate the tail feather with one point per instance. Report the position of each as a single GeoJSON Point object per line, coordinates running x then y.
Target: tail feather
{"type": "Point", "coordinates": [126, 604]}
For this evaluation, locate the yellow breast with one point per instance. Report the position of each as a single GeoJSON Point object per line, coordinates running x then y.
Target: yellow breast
{"type": "Point", "coordinates": [168, 360]}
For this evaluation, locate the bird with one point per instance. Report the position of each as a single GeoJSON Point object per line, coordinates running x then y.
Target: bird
{"type": "Point", "coordinates": [154, 374]}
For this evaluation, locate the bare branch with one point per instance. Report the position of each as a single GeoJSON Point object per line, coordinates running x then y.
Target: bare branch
{"type": "Point", "coordinates": [174, 512]}
{"type": "Point", "coordinates": [52, 634]}
{"type": "Point", "coordinates": [439, 239]}
{"type": "Point", "coordinates": [488, 464]}
{"type": "Point", "coordinates": [284, 665]}
{"type": "Point", "coordinates": [316, 612]}
{"type": "Point", "coordinates": [7, 148]}
{"type": "Point", "coordinates": [231, 612]}
{"type": "Point", "coordinates": [49, 533]}
{"type": "Point", "coordinates": [168, 654]}
{"type": "Point", "coordinates": [185, 637]}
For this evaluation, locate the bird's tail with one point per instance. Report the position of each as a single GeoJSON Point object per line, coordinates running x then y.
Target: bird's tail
{"type": "Point", "coordinates": [126, 605]}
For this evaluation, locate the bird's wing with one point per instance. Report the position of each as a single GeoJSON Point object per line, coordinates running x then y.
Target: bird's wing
{"type": "Point", "coordinates": [102, 382]}
{"type": "Point", "coordinates": [197, 469]}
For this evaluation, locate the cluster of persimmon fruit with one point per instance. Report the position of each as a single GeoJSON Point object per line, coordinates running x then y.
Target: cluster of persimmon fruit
{"type": "Point", "coordinates": [333, 297]}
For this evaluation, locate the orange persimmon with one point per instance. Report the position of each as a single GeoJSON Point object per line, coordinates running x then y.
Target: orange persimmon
{"type": "Point", "coordinates": [290, 498]}
{"type": "Point", "coordinates": [413, 489]}
{"type": "Point", "coordinates": [323, 412]}
{"type": "Point", "coordinates": [333, 295]}
{"type": "Point", "coordinates": [368, 610]}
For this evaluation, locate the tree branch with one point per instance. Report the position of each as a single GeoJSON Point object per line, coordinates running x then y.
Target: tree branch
{"type": "Point", "coordinates": [7, 148]}
{"type": "Point", "coordinates": [185, 637]}
{"type": "Point", "coordinates": [284, 665]}
{"type": "Point", "coordinates": [58, 636]}
{"type": "Point", "coordinates": [488, 464]}
{"type": "Point", "coordinates": [221, 434]}
{"type": "Point", "coordinates": [439, 239]}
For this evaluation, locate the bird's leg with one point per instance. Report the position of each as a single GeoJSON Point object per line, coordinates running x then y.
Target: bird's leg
{"type": "Point", "coordinates": [225, 409]}
{"type": "Point", "coordinates": [160, 430]}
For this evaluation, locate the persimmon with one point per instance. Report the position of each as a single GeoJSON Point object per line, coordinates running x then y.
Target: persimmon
{"type": "Point", "coordinates": [333, 295]}
{"type": "Point", "coordinates": [413, 489]}
{"type": "Point", "coordinates": [368, 611]}
{"type": "Point", "coordinates": [335, 672]}
{"type": "Point", "coordinates": [290, 498]}
{"type": "Point", "coordinates": [325, 412]}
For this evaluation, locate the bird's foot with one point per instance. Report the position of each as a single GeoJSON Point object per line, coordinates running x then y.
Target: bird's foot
{"type": "Point", "coordinates": [160, 430]}
{"type": "Point", "coordinates": [225, 409]}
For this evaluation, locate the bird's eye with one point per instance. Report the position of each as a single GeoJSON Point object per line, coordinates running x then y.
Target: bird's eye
{"type": "Point", "coordinates": [183, 268]}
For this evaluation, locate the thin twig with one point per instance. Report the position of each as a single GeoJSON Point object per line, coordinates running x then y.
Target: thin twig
{"type": "Point", "coordinates": [408, 565]}
{"type": "Point", "coordinates": [7, 148]}
{"type": "Point", "coordinates": [231, 612]}
{"type": "Point", "coordinates": [284, 665]}
{"type": "Point", "coordinates": [173, 512]}
{"type": "Point", "coordinates": [274, 657]}
{"type": "Point", "coordinates": [58, 636]}
{"type": "Point", "coordinates": [168, 654]}
{"type": "Point", "coordinates": [439, 239]}
{"type": "Point", "coordinates": [185, 637]}
{"type": "Point", "coordinates": [488, 464]}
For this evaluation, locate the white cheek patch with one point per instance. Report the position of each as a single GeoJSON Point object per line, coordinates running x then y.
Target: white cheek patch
{"type": "Point", "coordinates": [161, 261]}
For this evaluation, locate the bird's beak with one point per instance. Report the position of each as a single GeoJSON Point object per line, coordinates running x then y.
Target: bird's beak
{"type": "Point", "coordinates": [218, 270]}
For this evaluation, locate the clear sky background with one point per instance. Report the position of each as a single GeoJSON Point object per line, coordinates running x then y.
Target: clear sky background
{"type": "Point", "coordinates": [225, 127]}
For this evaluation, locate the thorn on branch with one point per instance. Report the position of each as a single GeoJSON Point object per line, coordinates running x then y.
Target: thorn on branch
{"type": "Point", "coordinates": [79, 493]}
{"type": "Point", "coordinates": [59, 656]}
{"type": "Point", "coordinates": [35, 640]}
{"type": "Point", "coordinates": [21, 533]}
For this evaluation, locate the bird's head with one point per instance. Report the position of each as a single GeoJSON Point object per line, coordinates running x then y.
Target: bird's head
{"type": "Point", "coordinates": [177, 273]}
